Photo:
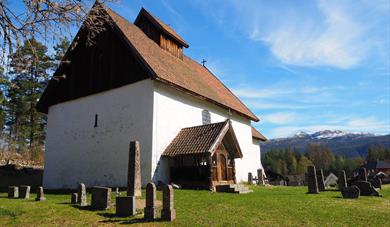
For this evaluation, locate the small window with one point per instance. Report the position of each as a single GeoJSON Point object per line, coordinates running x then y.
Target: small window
{"type": "Point", "coordinates": [206, 118]}
{"type": "Point", "coordinates": [96, 120]}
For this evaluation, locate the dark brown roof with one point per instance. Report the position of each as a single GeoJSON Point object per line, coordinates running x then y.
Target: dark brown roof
{"type": "Point", "coordinates": [162, 26]}
{"type": "Point", "coordinates": [186, 75]}
{"type": "Point", "coordinates": [257, 135]}
{"type": "Point", "coordinates": [200, 139]}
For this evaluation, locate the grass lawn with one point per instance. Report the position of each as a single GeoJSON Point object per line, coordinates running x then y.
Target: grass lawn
{"type": "Point", "coordinates": [270, 206]}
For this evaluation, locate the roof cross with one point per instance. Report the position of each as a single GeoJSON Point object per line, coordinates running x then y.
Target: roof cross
{"type": "Point", "coordinates": [203, 62]}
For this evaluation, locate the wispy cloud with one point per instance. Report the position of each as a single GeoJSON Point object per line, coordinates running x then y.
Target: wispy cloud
{"type": "Point", "coordinates": [336, 33]}
{"type": "Point", "coordinates": [280, 117]}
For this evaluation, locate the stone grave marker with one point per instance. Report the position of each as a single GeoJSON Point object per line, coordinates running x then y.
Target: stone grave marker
{"type": "Point", "coordinates": [24, 192]}
{"type": "Point", "coordinates": [351, 192]}
{"type": "Point", "coordinates": [134, 170]}
{"type": "Point", "coordinates": [366, 189]}
{"type": "Point", "coordinates": [362, 174]}
{"type": "Point", "coordinates": [320, 180]}
{"type": "Point", "coordinates": [250, 178]}
{"type": "Point", "coordinates": [101, 198]}
{"type": "Point", "coordinates": [260, 177]}
{"type": "Point", "coordinates": [342, 181]}
{"type": "Point", "coordinates": [74, 198]}
{"type": "Point", "coordinates": [82, 195]}
{"type": "Point", "coordinates": [40, 194]}
{"type": "Point", "coordinates": [376, 182]}
{"type": "Point", "coordinates": [13, 192]}
{"type": "Point", "coordinates": [168, 212]}
{"type": "Point", "coordinates": [312, 180]}
{"type": "Point", "coordinates": [125, 206]}
{"type": "Point", "coordinates": [150, 208]}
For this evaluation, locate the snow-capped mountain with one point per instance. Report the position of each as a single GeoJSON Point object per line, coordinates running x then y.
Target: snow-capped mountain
{"type": "Point", "coordinates": [349, 144]}
{"type": "Point", "coordinates": [330, 134]}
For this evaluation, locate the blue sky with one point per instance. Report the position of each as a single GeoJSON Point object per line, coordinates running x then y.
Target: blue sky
{"type": "Point", "coordinates": [298, 65]}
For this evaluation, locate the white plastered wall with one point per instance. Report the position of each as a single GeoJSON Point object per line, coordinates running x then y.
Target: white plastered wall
{"type": "Point", "coordinates": [76, 151]}
{"type": "Point", "coordinates": [174, 110]}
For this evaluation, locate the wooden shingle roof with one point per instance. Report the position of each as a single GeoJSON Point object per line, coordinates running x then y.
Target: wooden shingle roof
{"type": "Point", "coordinates": [257, 135]}
{"type": "Point", "coordinates": [186, 75]}
{"type": "Point", "coordinates": [200, 139]}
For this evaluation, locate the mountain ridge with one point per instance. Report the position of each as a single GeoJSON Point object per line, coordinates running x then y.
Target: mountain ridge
{"type": "Point", "coordinates": [348, 144]}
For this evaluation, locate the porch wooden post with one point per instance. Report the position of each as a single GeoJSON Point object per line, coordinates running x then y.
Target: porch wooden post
{"type": "Point", "coordinates": [234, 171]}
{"type": "Point", "coordinates": [210, 163]}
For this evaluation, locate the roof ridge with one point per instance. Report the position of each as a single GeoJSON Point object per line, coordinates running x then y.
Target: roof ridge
{"type": "Point", "coordinates": [198, 126]}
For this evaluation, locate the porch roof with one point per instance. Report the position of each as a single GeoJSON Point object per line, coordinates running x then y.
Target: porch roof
{"type": "Point", "coordinates": [203, 139]}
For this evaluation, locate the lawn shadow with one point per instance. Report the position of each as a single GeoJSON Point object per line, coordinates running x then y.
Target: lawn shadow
{"type": "Point", "coordinates": [338, 197]}
{"type": "Point", "coordinates": [112, 218]}
{"type": "Point", "coordinates": [87, 208]}
{"type": "Point", "coordinates": [64, 203]}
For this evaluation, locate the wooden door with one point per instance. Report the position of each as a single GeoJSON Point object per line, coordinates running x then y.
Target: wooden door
{"type": "Point", "coordinates": [222, 168]}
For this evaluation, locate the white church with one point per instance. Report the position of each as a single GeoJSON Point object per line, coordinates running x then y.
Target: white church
{"type": "Point", "coordinates": [133, 82]}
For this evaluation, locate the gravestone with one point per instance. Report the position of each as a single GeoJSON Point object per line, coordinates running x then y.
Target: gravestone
{"type": "Point", "coordinates": [342, 181]}
{"type": "Point", "coordinates": [40, 194]}
{"type": "Point", "coordinates": [168, 213]}
{"type": "Point", "coordinates": [250, 178]}
{"type": "Point", "coordinates": [362, 174]}
{"type": "Point", "coordinates": [366, 189]}
{"type": "Point", "coordinates": [150, 208]}
{"type": "Point", "coordinates": [82, 195]}
{"type": "Point", "coordinates": [312, 180]}
{"type": "Point", "coordinates": [376, 182]}
{"type": "Point", "coordinates": [320, 180]}
{"type": "Point", "coordinates": [74, 198]}
{"type": "Point", "coordinates": [260, 177]}
{"type": "Point", "coordinates": [24, 192]}
{"type": "Point", "coordinates": [125, 206]}
{"type": "Point", "coordinates": [351, 192]}
{"type": "Point", "coordinates": [13, 192]}
{"type": "Point", "coordinates": [101, 198]}
{"type": "Point", "coordinates": [134, 170]}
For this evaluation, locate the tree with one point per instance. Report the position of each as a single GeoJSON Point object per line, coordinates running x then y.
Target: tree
{"type": "Point", "coordinates": [302, 165]}
{"type": "Point", "coordinates": [321, 156]}
{"type": "Point", "coordinates": [46, 19]}
{"type": "Point", "coordinates": [60, 50]}
{"type": "Point", "coordinates": [29, 70]}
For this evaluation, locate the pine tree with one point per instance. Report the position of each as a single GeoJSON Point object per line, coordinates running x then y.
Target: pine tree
{"type": "Point", "coordinates": [30, 65]}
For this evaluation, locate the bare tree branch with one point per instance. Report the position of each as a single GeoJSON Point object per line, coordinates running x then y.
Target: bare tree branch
{"type": "Point", "coordinates": [47, 18]}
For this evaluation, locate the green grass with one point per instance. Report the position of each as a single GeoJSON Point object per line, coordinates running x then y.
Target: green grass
{"type": "Point", "coordinates": [270, 206]}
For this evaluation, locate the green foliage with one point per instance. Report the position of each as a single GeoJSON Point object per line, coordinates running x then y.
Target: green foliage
{"type": "Point", "coordinates": [286, 161]}
{"type": "Point", "coordinates": [291, 162]}
{"type": "Point", "coordinates": [378, 152]}
{"type": "Point", "coordinates": [21, 86]}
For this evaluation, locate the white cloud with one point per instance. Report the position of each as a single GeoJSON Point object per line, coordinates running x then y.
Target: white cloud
{"type": "Point", "coordinates": [280, 117]}
{"type": "Point", "coordinates": [337, 41]}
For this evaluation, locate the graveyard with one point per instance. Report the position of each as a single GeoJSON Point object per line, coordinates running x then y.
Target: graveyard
{"type": "Point", "coordinates": [266, 205]}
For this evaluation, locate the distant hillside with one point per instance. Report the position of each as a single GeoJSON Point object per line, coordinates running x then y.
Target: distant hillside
{"type": "Point", "coordinates": [341, 143]}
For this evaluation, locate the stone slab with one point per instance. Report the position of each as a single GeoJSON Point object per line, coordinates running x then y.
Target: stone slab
{"type": "Point", "coordinates": [134, 170]}
{"type": "Point", "coordinates": [13, 192]}
{"type": "Point", "coordinates": [101, 198]}
{"type": "Point", "coordinates": [366, 189]}
{"type": "Point", "coordinates": [312, 184]}
{"type": "Point", "coordinates": [40, 194]}
{"type": "Point", "coordinates": [24, 192]}
{"type": "Point", "coordinates": [351, 192]}
{"type": "Point", "coordinates": [125, 206]}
